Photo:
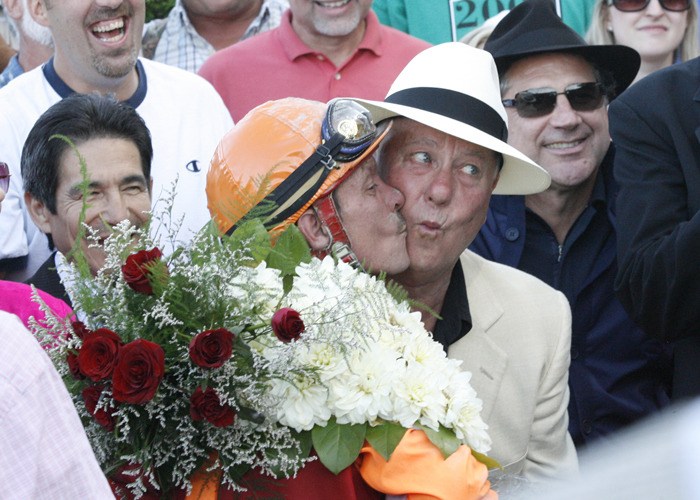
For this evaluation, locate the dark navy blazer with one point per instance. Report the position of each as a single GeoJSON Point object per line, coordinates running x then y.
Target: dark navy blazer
{"type": "Point", "coordinates": [618, 374]}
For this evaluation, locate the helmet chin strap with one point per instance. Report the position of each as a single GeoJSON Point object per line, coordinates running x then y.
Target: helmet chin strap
{"type": "Point", "coordinates": [339, 245]}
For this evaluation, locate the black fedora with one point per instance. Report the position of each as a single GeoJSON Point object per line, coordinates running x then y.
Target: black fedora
{"type": "Point", "coordinates": [533, 27]}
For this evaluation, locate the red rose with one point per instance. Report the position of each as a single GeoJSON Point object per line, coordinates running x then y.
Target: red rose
{"type": "Point", "coordinates": [91, 396]}
{"type": "Point", "coordinates": [98, 354]}
{"type": "Point", "coordinates": [138, 372]}
{"type": "Point", "coordinates": [205, 405]}
{"type": "Point", "coordinates": [287, 324]}
{"type": "Point", "coordinates": [81, 331]}
{"type": "Point", "coordinates": [211, 348]}
{"type": "Point", "coordinates": [74, 366]}
{"type": "Point", "coordinates": [138, 270]}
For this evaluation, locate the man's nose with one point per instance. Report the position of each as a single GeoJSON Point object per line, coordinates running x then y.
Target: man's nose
{"type": "Point", "coordinates": [441, 186]}
{"type": "Point", "coordinates": [563, 115]}
{"type": "Point", "coordinates": [116, 209]}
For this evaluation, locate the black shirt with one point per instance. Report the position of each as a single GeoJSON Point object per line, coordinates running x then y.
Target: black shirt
{"type": "Point", "coordinates": [455, 320]}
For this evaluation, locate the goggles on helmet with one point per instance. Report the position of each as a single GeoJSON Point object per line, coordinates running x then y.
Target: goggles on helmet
{"type": "Point", "coordinates": [347, 131]}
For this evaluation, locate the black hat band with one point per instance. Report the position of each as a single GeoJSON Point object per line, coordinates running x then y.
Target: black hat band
{"type": "Point", "coordinates": [456, 105]}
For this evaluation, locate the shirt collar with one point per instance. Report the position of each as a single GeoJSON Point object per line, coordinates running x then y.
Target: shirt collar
{"type": "Point", "coordinates": [295, 48]}
{"type": "Point", "coordinates": [63, 90]}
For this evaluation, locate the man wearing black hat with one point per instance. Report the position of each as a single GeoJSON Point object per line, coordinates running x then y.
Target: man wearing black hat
{"type": "Point", "coordinates": [556, 89]}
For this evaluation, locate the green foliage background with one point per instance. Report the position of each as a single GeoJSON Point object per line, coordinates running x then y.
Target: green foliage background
{"type": "Point", "coordinates": [156, 9]}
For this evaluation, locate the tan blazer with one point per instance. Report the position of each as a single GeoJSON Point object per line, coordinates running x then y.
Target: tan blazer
{"type": "Point", "coordinates": [518, 353]}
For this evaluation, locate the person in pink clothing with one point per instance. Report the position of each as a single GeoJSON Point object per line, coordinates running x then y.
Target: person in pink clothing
{"type": "Point", "coordinates": [16, 298]}
{"type": "Point", "coordinates": [319, 51]}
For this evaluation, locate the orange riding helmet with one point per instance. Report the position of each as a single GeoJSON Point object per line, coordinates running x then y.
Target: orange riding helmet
{"type": "Point", "coordinates": [282, 157]}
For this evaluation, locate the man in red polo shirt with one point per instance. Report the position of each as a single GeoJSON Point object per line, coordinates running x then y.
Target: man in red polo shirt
{"type": "Point", "coordinates": [321, 50]}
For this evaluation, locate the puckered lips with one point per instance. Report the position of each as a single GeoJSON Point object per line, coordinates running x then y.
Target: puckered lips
{"type": "Point", "coordinates": [429, 228]}
{"type": "Point", "coordinates": [110, 30]}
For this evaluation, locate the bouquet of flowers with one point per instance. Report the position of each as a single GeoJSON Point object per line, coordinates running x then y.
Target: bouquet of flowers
{"type": "Point", "coordinates": [238, 354]}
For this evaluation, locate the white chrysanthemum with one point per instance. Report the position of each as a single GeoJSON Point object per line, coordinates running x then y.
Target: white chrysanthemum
{"type": "Point", "coordinates": [423, 350]}
{"type": "Point", "coordinates": [363, 393]}
{"type": "Point", "coordinates": [260, 287]}
{"type": "Point", "coordinates": [463, 415]}
{"type": "Point", "coordinates": [420, 396]}
{"type": "Point", "coordinates": [323, 358]}
{"type": "Point", "coordinates": [304, 403]}
{"type": "Point", "coordinates": [314, 285]}
{"type": "Point", "coordinates": [403, 317]}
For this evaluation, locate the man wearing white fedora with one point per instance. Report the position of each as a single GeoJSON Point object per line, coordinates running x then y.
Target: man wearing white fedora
{"type": "Point", "coordinates": [556, 89]}
{"type": "Point", "coordinates": [447, 152]}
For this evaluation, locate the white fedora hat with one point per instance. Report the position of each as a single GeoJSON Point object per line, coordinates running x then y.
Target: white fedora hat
{"type": "Point", "coordinates": [454, 88]}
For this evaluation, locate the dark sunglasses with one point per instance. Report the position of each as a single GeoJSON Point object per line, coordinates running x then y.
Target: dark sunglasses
{"type": "Point", "coordinates": [533, 103]}
{"type": "Point", "coordinates": [637, 5]}
{"type": "Point", "coordinates": [4, 176]}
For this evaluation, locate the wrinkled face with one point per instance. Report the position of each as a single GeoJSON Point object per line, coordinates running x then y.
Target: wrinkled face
{"type": "Point", "coordinates": [569, 144]}
{"type": "Point", "coordinates": [369, 210]}
{"type": "Point", "coordinates": [117, 191]}
{"type": "Point", "coordinates": [94, 39]}
{"type": "Point", "coordinates": [328, 17]}
{"type": "Point", "coordinates": [447, 183]}
{"type": "Point", "coordinates": [653, 32]}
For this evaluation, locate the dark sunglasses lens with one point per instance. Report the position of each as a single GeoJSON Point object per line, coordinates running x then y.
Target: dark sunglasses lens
{"type": "Point", "coordinates": [530, 104]}
{"type": "Point", "coordinates": [637, 5]}
{"type": "Point", "coordinates": [675, 5]}
{"type": "Point", "coordinates": [585, 97]}
{"type": "Point", "coordinates": [630, 5]}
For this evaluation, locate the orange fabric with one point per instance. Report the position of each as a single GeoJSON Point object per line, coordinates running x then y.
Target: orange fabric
{"type": "Point", "coordinates": [205, 485]}
{"type": "Point", "coordinates": [313, 482]}
{"type": "Point", "coordinates": [417, 469]}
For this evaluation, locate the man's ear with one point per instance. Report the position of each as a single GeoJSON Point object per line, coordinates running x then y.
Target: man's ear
{"type": "Point", "coordinates": [39, 212]}
{"type": "Point", "coordinates": [37, 9]}
{"type": "Point", "coordinates": [14, 9]}
{"type": "Point", "coordinates": [315, 233]}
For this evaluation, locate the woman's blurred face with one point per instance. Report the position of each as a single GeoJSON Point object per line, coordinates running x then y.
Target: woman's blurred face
{"type": "Point", "coordinates": [653, 32]}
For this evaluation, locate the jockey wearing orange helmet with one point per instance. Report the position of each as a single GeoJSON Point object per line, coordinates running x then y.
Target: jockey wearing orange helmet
{"type": "Point", "coordinates": [298, 161]}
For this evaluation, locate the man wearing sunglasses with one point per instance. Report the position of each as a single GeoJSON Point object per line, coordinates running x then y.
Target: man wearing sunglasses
{"type": "Point", "coordinates": [556, 89]}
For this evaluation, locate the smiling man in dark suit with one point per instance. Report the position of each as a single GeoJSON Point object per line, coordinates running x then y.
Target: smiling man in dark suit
{"type": "Point", "coordinates": [115, 144]}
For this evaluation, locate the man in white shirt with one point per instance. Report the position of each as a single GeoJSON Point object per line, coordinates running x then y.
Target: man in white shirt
{"type": "Point", "coordinates": [96, 50]}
